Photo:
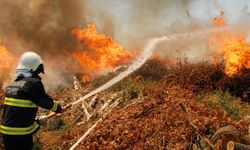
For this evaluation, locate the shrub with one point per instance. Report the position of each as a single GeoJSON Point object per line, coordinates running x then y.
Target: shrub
{"type": "Point", "coordinates": [225, 101]}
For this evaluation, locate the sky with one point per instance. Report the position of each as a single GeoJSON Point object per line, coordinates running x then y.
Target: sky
{"type": "Point", "coordinates": [140, 19]}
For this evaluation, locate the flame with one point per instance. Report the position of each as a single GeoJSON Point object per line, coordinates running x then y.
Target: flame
{"type": "Point", "coordinates": [219, 20]}
{"type": "Point", "coordinates": [232, 46]}
{"type": "Point", "coordinates": [6, 60]}
{"type": "Point", "coordinates": [86, 78]}
{"type": "Point", "coordinates": [98, 51]}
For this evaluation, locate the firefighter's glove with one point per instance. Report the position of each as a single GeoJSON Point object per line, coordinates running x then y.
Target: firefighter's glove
{"type": "Point", "coordinates": [41, 120]}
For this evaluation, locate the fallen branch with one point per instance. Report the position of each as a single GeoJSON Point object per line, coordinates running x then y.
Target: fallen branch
{"type": "Point", "coordinates": [93, 102]}
{"type": "Point", "coordinates": [231, 145]}
{"type": "Point", "coordinates": [195, 128]}
{"type": "Point", "coordinates": [92, 128]}
{"type": "Point", "coordinates": [110, 108]}
{"type": "Point", "coordinates": [101, 110]}
{"type": "Point", "coordinates": [76, 83]}
{"type": "Point", "coordinates": [88, 115]}
{"type": "Point", "coordinates": [84, 136]}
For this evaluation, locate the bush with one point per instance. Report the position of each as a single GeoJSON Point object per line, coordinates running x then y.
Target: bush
{"type": "Point", "coordinates": [199, 77]}
{"type": "Point", "coordinates": [129, 88]}
{"type": "Point", "coordinates": [153, 69]}
{"type": "Point", "coordinates": [223, 100]}
{"type": "Point", "coordinates": [205, 77]}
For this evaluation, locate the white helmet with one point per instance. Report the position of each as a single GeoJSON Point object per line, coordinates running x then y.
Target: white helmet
{"type": "Point", "coordinates": [30, 61]}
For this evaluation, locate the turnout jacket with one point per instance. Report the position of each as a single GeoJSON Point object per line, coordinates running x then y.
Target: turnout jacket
{"type": "Point", "coordinates": [21, 103]}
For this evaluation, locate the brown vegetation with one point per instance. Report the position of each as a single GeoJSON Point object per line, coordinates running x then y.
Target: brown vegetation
{"type": "Point", "coordinates": [150, 115]}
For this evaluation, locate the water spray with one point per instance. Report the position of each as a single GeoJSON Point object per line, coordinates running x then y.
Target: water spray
{"type": "Point", "coordinates": [134, 66]}
{"type": "Point", "coordinates": [147, 52]}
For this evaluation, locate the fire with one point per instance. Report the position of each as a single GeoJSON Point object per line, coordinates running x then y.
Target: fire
{"type": "Point", "coordinates": [233, 47]}
{"type": "Point", "coordinates": [6, 60]}
{"type": "Point", "coordinates": [98, 51]}
{"type": "Point", "coordinates": [219, 20]}
{"type": "Point", "coordinates": [86, 78]}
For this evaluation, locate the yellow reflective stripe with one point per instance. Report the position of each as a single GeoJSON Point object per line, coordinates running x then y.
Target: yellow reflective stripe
{"type": "Point", "coordinates": [15, 99]}
{"type": "Point", "coordinates": [54, 108]}
{"type": "Point", "coordinates": [18, 130]}
{"type": "Point", "coordinates": [19, 102]}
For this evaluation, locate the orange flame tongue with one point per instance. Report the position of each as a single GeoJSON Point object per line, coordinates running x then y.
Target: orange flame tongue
{"type": "Point", "coordinates": [236, 53]}
{"type": "Point", "coordinates": [86, 78]}
{"type": "Point", "coordinates": [220, 20]}
{"type": "Point", "coordinates": [234, 48]}
{"type": "Point", "coordinates": [101, 52]}
{"type": "Point", "coordinates": [6, 60]}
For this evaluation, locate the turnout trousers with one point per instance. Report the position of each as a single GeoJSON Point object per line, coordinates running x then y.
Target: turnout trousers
{"type": "Point", "coordinates": [18, 142]}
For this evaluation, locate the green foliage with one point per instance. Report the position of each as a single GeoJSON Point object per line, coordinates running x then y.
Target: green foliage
{"type": "Point", "coordinates": [224, 101]}
{"type": "Point", "coordinates": [129, 88]}
{"type": "Point", "coordinates": [63, 126]}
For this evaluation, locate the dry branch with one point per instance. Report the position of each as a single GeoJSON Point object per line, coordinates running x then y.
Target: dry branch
{"type": "Point", "coordinates": [88, 115]}
{"type": "Point", "coordinates": [92, 127]}
{"type": "Point", "coordinates": [231, 145]}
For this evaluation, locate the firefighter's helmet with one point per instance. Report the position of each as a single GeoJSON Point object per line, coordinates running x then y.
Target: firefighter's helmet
{"type": "Point", "coordinates": [31, 61]}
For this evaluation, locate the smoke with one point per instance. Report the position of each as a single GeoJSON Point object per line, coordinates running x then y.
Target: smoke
{"type": "Point", "coordinates": [42, 25]}
{"type": "Point", "coordinates": [53, 83]}
{"type": "Point", "coordinates": [135, 21]}
{"type": "Point", "coordinates": [236, 12]}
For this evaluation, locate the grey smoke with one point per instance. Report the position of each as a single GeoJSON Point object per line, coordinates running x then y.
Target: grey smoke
{"type": "Point", "coordinates": [42, 25]}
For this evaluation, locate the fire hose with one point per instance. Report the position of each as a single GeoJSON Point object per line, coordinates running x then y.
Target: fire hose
{"type": "Point", "coordinates": [53, 113]}
{"type": "Point", "coordinates": [136, 65]}
{"type": "Point", "coordinates": [42, 119]}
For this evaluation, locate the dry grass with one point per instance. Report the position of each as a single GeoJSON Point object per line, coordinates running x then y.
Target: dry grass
{"type": "Point", "coordinates": [157, 120]}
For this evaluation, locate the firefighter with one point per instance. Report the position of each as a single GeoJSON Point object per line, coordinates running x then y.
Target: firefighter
{"type": "Point", "coordinates": [23, 97]}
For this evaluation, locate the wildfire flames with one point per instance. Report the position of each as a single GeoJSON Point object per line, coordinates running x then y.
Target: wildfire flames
{"type": "Point", "coordinates": [233, 47]}
{"type": "Point", "coordinates": [6, 61]}
{"type": "Point", "coordinates": [96, 52]}
{"type": "Point", "coordinates": [86, 78]}
{"type": "Point", "coordinates": [219, 20]}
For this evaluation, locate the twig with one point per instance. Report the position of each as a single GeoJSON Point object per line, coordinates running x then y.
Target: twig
{"type": "Point", "coordinates": [184, 108]}
{"type": "Point", "coordinates": [84, 136]}
{"type": "Point", "coordinates": [76, 83]}
{"type": "Point", "coordinates": [231, 145]}
{"type": "Point", "coordinates": [92, 128]}
{"type": "Point", "coordinates": [93, 102]}
{"type": "Point", "coordinates": [88, 115]}
{"type": "Point", "coordinates": [101, 110]}
{"type": "Point", "coordinates": [77, 119]}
